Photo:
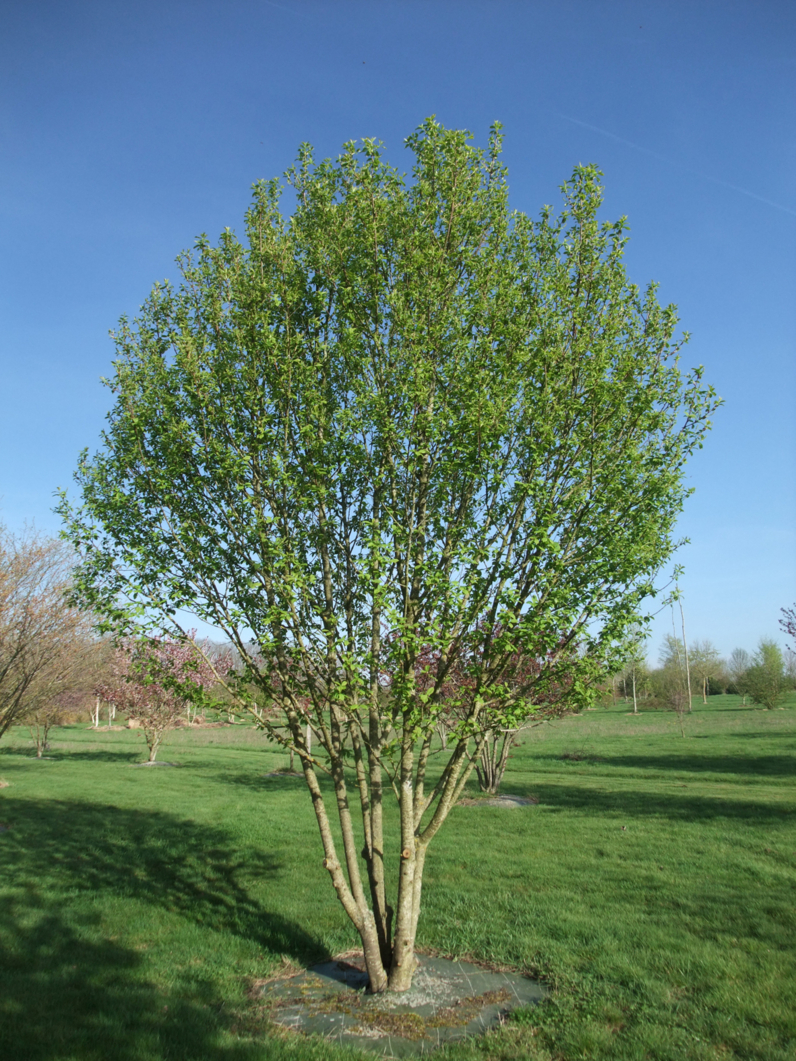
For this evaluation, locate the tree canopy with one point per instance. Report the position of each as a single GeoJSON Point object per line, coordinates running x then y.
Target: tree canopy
{"type": "Point", "coordinates": [766, 679]}
{"type": "Point", "coordinates": [47, 650]}
{"type": "Point", "coordinates": [401, 434]}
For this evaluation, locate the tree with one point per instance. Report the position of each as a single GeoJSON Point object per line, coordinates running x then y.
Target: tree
{"type": "Point", "coordinates": [706, 663]}
{"type": "Point", "coordinates": [737, 667]}
{"type": "Point", "coordinates": [671, 692]}
{"type": "Point", "coordinates": [153, 679]}
{"type": "Point", "coordinates": [634, 669]}
{"type": "Point", "coordinates": [455, 694]}
{"type": "Point", "coordinates": [41, 717]}
{"type": "Point", "coordinates": [671, 654]}
{"type": "Point", "coordinates": [43, 641]}
{"type": "Point", "coordinates": [766, 679]}
{"type": "Point", "coordinates": [63, 687]}
{"type": "Point", "coordinates": [679, 598]}
{"type": "Point", "coordinates": [788, 623]}
{"type": "Point", "coordinates": [404, 417]}
{"type": "Point", "coordinates": [670, 682]}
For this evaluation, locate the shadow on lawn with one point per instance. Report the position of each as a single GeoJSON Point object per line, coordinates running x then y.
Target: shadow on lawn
{"type": "Point", "coordinates": [262, 781]}
{"type": "Point", "coordinates": [752, 765]}
{"type": "Point", "coordinates": [150, 856]}
{"type": "Point", "coordinates": [64, 996]}
{"type": "Point", "coordinates": [128, 755]}
{"type": "Point", "coordinates": [56, 752]}
{"type": "Point", "coordinates": [685, 807]}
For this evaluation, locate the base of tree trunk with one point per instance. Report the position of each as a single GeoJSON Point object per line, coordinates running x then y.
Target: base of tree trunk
{"type": "Point", "coordinates": [500, 801]}
{"type": "Point", "coordinates": [448, 1001]}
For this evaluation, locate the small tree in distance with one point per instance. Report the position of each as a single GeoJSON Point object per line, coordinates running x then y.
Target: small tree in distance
{"type": "Point", "coordinates": [407, 417]}
{"type": "Point", "coordinates": [43, 716]}
{"type": "Point", "coordinates": [669, 682]}
{"type": "Point", "coordinates": [634, 669]}
{"type": "Point", "coordinates": [737, 668]}
{"type": "Point", "coordinates": [766, 679]}
{"type": "Point", "coordinates": [60, 692]}
{"type": "Point", "coordinates": [153, 680]}
{"type": "Point", "coordinates": [706, 663]}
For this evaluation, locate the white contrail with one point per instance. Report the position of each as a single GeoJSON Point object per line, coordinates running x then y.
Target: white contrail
{"type": "Point", "coordinates": [682, 165]}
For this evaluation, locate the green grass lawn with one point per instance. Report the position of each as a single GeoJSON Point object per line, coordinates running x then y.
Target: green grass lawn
{"type": "Point", "coordinates": [652, 888]}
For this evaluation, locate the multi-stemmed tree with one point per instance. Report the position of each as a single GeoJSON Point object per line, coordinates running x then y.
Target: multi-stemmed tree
{"type": "Point", "coordinates": [403, 420]}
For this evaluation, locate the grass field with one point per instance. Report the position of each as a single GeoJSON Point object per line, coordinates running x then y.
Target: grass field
{"type": "Point", "coordinates": [652, 888]}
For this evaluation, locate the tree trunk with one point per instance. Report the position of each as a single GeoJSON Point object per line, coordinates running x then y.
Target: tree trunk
{"type": "Point", "coordinates": [410, 886]}
{"type": "Point", "coordinates": [348, 891]}
{"type": "Point", "coordinates": [153, 743]}
{"type": "Point", "coordinates": [491, 765]}
{"type": "Point", "coordinates": [635, 701]}
{"type": "Point", "coordinates": [40, 735]}
{"type": "Point", "coordinates": [704, 690]}
{"type": "Point", "coordinates": [685, 649]}
{"type": "Point", "coordinates": [389, 956]}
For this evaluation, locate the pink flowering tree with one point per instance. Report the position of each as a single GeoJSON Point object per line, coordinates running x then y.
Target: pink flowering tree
{"type": "Point", "coordinates": [153, 680]}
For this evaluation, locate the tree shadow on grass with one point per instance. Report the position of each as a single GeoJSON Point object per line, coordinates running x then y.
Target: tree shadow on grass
{"type": "Point", "coordinates": [64, 996]}
{"type": "Point", "coordinates": [149, 856]}
{"type": "Point", "coordinates": [101, 755]}
{"type": "Point", "coordinates": [762, 766]}
{"type": "Point", "coordinates": [263, 781]}
{"type": "Point", "coordinates": [686, 807]}
{"type": "Point", "coordinates": [16, 749]}
{"type": "Point", "coordinates": [57, 753]}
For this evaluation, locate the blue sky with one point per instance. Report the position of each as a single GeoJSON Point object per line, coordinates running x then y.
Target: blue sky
{"type": "Point", "coordinates": [128, 129]}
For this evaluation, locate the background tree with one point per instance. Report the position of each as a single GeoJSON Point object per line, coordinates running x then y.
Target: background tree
{"type": "Point", "coordinates": [152, 680]}
{"type": "Point", "coordinates": [671, 693]}
{"type": "Point", "coordinates": [42, 717]}
{"type": "Point", "coordinates": [43, 641]}
{"type": "Point", "coordinates": [737, 667]}
{"type": "Point", "coordinates": [671, 654]}
{"type": "Point", "coordinates": [669, 682]}
{"type": "Point", "coordinates": [405, 417]}
{"type": "Point", "coordinates": [634, 671]}
{"type": "Point", "coordinates": [63, 689]}
{"type": "Point", "coordinates": [788, 623]}
{"type": "Point", "coordinates": [455, 695]}
{"type": "Point", "coordinates": [706, 663]}
{"type": "Point", "coordinates": [766, 679]}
